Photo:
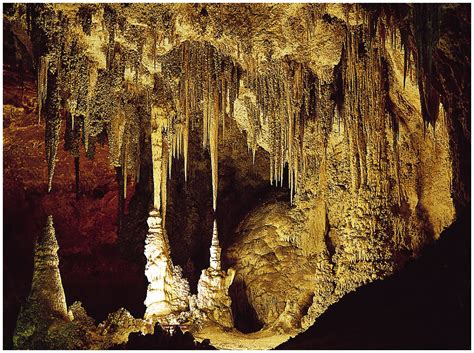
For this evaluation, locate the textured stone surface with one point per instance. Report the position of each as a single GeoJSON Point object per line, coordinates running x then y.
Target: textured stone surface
{"type": "Point", "coordinates": [167, 292]}
{"type": "Point", "coordinates": [46, 304]}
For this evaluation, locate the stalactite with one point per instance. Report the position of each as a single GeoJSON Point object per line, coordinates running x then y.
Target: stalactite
{"type": "Point", "coordinates": [213, 145]}
{"type": "Point", "coordinates": [91, 87]}
{"type": "Point", "coordinates": [53, 123]}
{"type": "Point", "coordinates": [158, 123]}
{"type": "Point", "coordinates": [208, 84]}
{"type": "Point", "coordinates": [419, 28]}
{"type": "Point", "coordinates": [125, 171]}
{"type": "Point", "coordinates": [115, 134]}
{"type": "Point", "coordinates": [42, 84]}
{"type": "Point", "coordinates": [163, 187]}
{"type": "Point", "coordinates": [286, 98]}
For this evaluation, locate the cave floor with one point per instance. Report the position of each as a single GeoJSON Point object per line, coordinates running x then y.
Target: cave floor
{"type": "Point", "coordinates": [232, 339]}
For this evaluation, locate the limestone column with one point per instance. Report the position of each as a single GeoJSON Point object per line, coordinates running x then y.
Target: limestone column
{"type": "Point", "coordinates": [158, 266]}
{"type": "Point", "coordinates": [167, 291]}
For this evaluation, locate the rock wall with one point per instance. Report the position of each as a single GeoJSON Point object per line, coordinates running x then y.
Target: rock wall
{"type": "Point", "coordinates": [363, 211]}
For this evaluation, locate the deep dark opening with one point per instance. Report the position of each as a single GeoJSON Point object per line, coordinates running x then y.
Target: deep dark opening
{"type": "Point", "coordinates": [245, 317]}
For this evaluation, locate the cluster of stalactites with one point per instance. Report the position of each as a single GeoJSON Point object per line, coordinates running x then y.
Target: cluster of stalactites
{"type": "Point", "coordinates": [208, 87]}
{"type": "Point", "coordinates": [363, 107]}
{"type": "Point", "coordinates": [418, 27]}
{"type": "Point", "coordinates": [286, 97]}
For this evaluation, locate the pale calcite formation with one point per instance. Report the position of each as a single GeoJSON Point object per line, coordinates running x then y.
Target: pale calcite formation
{"type": "Point", "coordinates": [167, 292]}
{"type": "Point", "coordinates": [215, 250]}
{"type": "Point", "coordinates": [118, 326]}
{"type": "Point", "coordinates": [213, 298]}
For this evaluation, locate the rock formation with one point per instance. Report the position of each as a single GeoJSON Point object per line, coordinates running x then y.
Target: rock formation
{"type": "Point", "coordinates": [328, 140]}
{"type": "Point", "coordinates": [213, 288]}
{"type": "Point", "coordinates": [46, 304]}
{"type": "Point", "coordinates": [45, 322]}
{"type": "Point", "coordinates": [168, 291]}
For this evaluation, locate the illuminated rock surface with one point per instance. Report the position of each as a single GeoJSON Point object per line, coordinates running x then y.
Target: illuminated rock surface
{"type": "Point", "coordinates": [165, 293]}
{"type": "Point", "coordinates": [329, 142]}
{"type": "Point", "coordinates": [213, 287]}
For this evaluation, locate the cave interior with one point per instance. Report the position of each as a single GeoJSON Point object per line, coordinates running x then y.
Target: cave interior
{"type": "Point", "coordinates": [236, 176]}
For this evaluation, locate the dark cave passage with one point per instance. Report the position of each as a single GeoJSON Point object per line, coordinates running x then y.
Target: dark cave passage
{"type": "Point", "coordinates": [245, 317]}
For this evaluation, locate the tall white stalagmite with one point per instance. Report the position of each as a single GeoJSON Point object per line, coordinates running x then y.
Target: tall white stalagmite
{"type": "Point", "coordinates": [158, 269]}
{"type": "Point", "coordinates": [215, 260]}
{"type": "Point", "coordinates": [167, 291]}
{"type": "Point", "coordinates": [213, 287]}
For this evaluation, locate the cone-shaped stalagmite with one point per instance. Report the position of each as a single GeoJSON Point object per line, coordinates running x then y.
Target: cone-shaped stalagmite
{"type": "Point", "coordinates": [47, 302]}
{"type": "Point", "coordinates": [213, 287]}
{"type": "Point", "coordinates": [215, 260]}
{"type": "Point", "coordinates": [47, 288]}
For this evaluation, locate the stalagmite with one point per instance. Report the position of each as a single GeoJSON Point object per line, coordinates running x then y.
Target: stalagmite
{"type": "Point", "coordinates": [168, 291]}
{"type": "Point", "coordinates": [46, 302]}
{"type": "Point", "coordinates": [158, 269]}
{"type": "Point", "coordinates": [213, 287]}
{"type": "Point", "coordinates": [47, 289]}
{"type": "Point", "coordinates": [215, 251]}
